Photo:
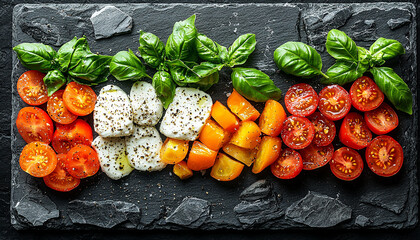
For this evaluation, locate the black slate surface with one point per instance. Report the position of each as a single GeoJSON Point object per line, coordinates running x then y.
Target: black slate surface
{"type": "Point", "coordinates": [159, 194]}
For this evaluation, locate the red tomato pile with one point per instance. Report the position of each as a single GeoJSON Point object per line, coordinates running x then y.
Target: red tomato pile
{"type": "Point", "coordinates": [70, 158]}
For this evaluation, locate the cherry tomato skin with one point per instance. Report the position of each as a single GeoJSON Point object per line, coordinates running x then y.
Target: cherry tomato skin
{"type": "Point", "coordinates": [384, 156]}
{"type": "Point", "coordinates": [297, 132]}
{"type": "Point", "coordinates": [381, 120]}
{"type": "Point", "coordinates": [301, 100]}
{"type": "Point", "coordinates": [365, 95]}
{"type": "Point", "coordinates": [346, 164]}
{"type": "Point", "coordinates": [82, 161]}
{"type": "Point", "coordinates": [31, 88]}
{"type": "Point", "coordinates": [334, 102]}
{"type": "Point", "coordinates": [58, 111]}
{"type": "Point", "coordinates": [34, 124]}
{"type": "Point", "coordinates": [324, 129]}
{"type": "Point", "coordinates": [60, 180]}
{"type": "Point", "coordinates": [354, 132]}
{"type": "Point", "coordinates": [38, 159]}
{"type": "Point", "coordinates": [314, 157]}
{"type": "Point", "coordinates": [79, 99]}
{"type": "Point", "coordinates": [288, 165]}
{"type": "Point", "coordinates": [69, 135]}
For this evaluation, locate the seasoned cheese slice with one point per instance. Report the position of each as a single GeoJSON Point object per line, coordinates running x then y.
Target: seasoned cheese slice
{"type": "Point", "coordinates": [147, 107]}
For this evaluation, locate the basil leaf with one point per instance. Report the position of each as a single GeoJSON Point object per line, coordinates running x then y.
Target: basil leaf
{"type": "Point", "coordinates": [65, 53]}
{"type": "Point", "coordinates": [181, 43]}
{"type": "Point", "coordinates": [164, 87]}
{"type": "Point", "coordinates": [182, 72]}
{"type": "Point", "coordinates": [223, 53]}
{"type": "Point", "coordinates": [298, 59]}
{"type": "Point", "coordinates": [202, 76]}
{"type": "Point", "coordinates": [126, 66]}
{"type": "Point", "coordinates": [343, 72]}
{"type": "Point", "coordinates": [340, 46]}
{"type": "Point", "coordinates": [395, 89]}
{"type": "Point", "coordinates": [384, 49]}
{"type": "Point", "coordinates": [36, 56]}
{"type": "Point", "coordinates": [54, 80]}
{"type": "Point", "coordinates": [208, 50]}
{"type": "Point", "coordinates": [206, 69]}
{"type": "Point", "coordinates": [81, 49]}
{"type": "Point", "coordinates": [364, 57]}
{"type": "Point", "coordinates": [207, 82]}
{"type": "Point", "coordinates": [254, 85]}
{"type": "Point", "coordinates": [241, 48]}
{"type": "Point", "coordinates": [151, 49]}
{"type": "Point", "coordinates": [92, 69]}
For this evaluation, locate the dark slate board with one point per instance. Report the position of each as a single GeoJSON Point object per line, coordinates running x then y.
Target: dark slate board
{"type": "Point", "coordinates": [160, 200]}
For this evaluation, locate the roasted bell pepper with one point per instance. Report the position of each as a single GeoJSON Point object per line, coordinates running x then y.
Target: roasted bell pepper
{"type": "Point", "coordinates": [182, 171]}
{"type": "Point", "coordinates": [214, 136]}
{"type": "Point", "coordinates": [246, 156]}
{"type": "Point", "coordinates": [247, 136]}
{"type": "Point", "coordinates": [224, 117]}
{"type": "Point", "coordinates": [268, 152]}
{"type": "Point", "coordinates": [272, 118]}
{"type": "Point", "coordinates": [201, 157]}
{"type": "Point", "coordinates": [173, 151]}
{"type": "Point", "coordinates": [241, 107]}
{"type": "Point", "coordinates": [225, 168]}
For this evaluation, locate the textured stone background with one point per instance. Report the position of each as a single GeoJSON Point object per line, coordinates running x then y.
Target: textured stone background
{"type": "Point", "coordinates": [4, 188]}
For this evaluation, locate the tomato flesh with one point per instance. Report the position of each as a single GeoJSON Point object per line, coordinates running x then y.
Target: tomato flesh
{"type": "Point", "coordinates": [60, 179]}
{"type": "Point", "coordinates": [34, 124]}
{"type": "Point", "coordinates": [38, 159]}
{"type": "Point", "coordinates": [382, 120]}
{"type": "Point", "coordinates": [297, 132]}
{"type": "Point", "coordinates": [334, 102]}
{"type": "Point", "coordinates": [67, 136]}
{"type": "Point", "coordinates": [79, 99]}
{"type": "Point", "coordinates": [324, 129]}
{"type": "Point", "coordinates": [58, 111]}
{"type": "Point", "coordinates": [314, 157]}
{"type": "Point", "coordinates": [288, 165]}
{"type": "Point", "coordinates": [354, 132]}
{"type": "Point", "coordinates": [301, 100]}
{"type": "Point", "coordinates": [365, 94]}
{"type": "Point", "coordinates": [225, 168]}
{"type": "Point", "coordinates": [82, 161]}
{"type": "Point", "coordinates": [346, 164]}
{"type": "Point", "coordinates": [384, 156]}
{"type": "Point", "coordinates": [31, 88]}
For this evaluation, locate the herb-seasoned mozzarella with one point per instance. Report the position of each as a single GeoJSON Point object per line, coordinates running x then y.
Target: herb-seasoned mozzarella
{"type": "Point", "coordinates": [112, 157]}
{"type": "Point", "coordinates": [113, 116]}
{"type": "Point", "coordinates": [187, 114]}
{"type": "Point", "coordinates": [147, 107]}
{"type": "Point", "coordinates": [143, 149]}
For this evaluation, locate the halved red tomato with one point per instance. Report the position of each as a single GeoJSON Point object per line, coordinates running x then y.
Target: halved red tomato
{"type": "Point", "coordinates": [301, 100]}
{"type": "Point", "coordinates": [381, 120]}
{"type": "Point", "coordinates": [58, 111]}
{"type": "Point", "coordinates": [324, 129]}
{"type": "Point", "coordinates": [354, 133]}
{"type": "Point", "coordinates": [34, 124]}
{"type": "Point", "coordinates": [365, 94]}
{"type": "Point", "coordinates": [314, 157]}
{"type": "Point", "coordinates": [31, 88]}
{"type": "Point", "coordinates": [79, 99]}
{"type": "Point", "coordinates": [334, 102]}
{"type": "Point", "coordinates": [60, 179]}
{"type": "Point", "coordinates": [384, 156]}
{"type": "Point", "coordinates": [297, 132]}
{"type": "Point", "coordinates": [69, 135]}
{"type": "Point", "coordinates": [82, 161]}
{"type": "Point", "coordinates": [288, 165]}
{"type": "Point", "coordinates": [346, 164]}
{"type": "Point", "coordinates": [38, 159]}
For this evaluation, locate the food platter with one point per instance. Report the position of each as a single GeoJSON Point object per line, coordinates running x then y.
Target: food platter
{"type": "Point", "coordinates": [159, 200]}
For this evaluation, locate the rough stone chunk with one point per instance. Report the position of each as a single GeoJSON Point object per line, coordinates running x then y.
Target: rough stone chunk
{"type": "Point", "coordinates": [362, 221]}
{"type": "Point", "coordinates": [259, 189]}
{"type": "Point", "coordinates": [387, 200]}
{"type": "Point", "coordinates": [397, 23]}
{"type": "Point", "coordinates": [192, 212]}
{"type": "Point", "coordinates": [316, 210]}
{"type": "Point", "coordinates": [110, 21]}
{"type": "Point", "coordinates": [105, 214]}
{"type": "Point", "coordinates": [259, 211]}
{"type": "Point", "coordinates": [364, 30]}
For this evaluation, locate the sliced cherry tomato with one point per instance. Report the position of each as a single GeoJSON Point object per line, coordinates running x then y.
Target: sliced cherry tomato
{"type": "Point", "coordinates": [173, 151]}
{"type": "Point", "coordinates": [31, 88]}
{"type": "Point", "coordinates": [268, 151]}
{"type": "Point", "coordinates": [288, 165]}
{"type": "Point", "coordinates": [58, 111]}
{"type": "Point", "coordinates": [346, 164]}
{"type": "Point", "coordinates": [225, 168]}
{"type": "Point", "coordinates": [241, 107]}
{"type": "Point", "coordinates": [201, 157]}
{"type": "Point", "coordinates": [272, 118]}
{"type": "Point", "coordinates": [384, 156]}
{"type": "Point", "coordinates": [34, 124]}
{"type": "Point", "coordinates": [365, 94]}
{"type": "Point", "coordinates": [324, 129]}
{"type": "Point", "coordinates": [297, 132]}
{"type": "Point", "coordinates": [182, 171]}
{"type": "Point", "coordinates": [381, 120]}
{"type": "Point", "coordinates": [315, 157]}
{"type": "Point", "coordinates": [354, 132]}
{"type": "Point", "coordinates": [38, 159]}
{"type": "Point", "coordinates": [79, 99]}
{"type": "Point", "coordinates": [69, 135]}
{"type": "Point", "coordinates": [60, 179]}
{"type": "Point", "coordinates": [301, 100]}
{"type": "Point", "coordinates": [334, 102]}
{"type": "Point", "coordinates": [82, 161]}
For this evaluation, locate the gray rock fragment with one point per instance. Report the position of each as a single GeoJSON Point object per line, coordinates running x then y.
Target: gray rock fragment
{"type": "Point", "coordinates": [258, 211]}
{"type": "Point", "coordinates": [362, 221]}
{"type": "Point", "coordinates": [317, 210]}
{"type": "Point", "coordinates": [364, 30]}
{"type": "Point", "coordinates": [259, 189]}
{"type": "Point", "coordinates": [110, 21]}
{"type": "Point", "coordinates": [397, 23]}
{"type": "Point", "coordinates": [105, 214]}
{"type": "Point", "coordinates": [387, 200]}
{"type": "Point", "coordinates": [192, 212]}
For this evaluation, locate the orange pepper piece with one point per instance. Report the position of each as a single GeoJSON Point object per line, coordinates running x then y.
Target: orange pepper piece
{"type": "Point", "coordinates": [214, 136]}
{"type": "Point", "coordinates": [272, 118]}
{"type": "Point", "coordinates": [268, 152]}
{"type": "Point", "coordinates": [225, 168]}
{"type": "Point", "coordinates": [201, 157]}
{"type": "Point", "coordinates": [224, 117]}
{"type": "Point", "coordinates": [241, 107]}
{"type": "Point", "coordinates": [247, 136]}
{"type": "Point", "coordinates": [246, 156]}
{"type": "Point", "coordinates": [173, 151]}
{"type": "Point", "coordinates": [182, 171]}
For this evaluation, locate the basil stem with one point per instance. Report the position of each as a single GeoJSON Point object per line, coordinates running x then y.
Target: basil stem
{"type": "Point", "coordinates": [126, 66]}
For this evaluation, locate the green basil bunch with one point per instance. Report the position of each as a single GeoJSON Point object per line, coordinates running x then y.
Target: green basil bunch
{"type": "Point", "coordinates": [352, 62]}
{"type": "Point", "coordinates": [72, 62]}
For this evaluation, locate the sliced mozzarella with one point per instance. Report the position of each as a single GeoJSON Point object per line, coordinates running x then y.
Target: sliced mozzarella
{"type": "Point", "coordinates": [113, 116]}
{"type": "Point", "coordinates": [143, 149]}
{"type": "Point", "coordinates": [112, 157]}
{"type": "Point", "coordinates": [187, 114]}
{"type": "Point", "coordinates": [147, 107]}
